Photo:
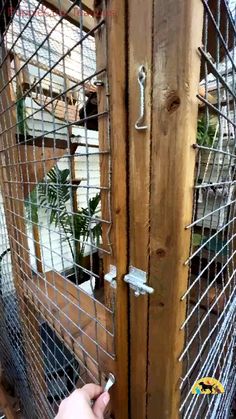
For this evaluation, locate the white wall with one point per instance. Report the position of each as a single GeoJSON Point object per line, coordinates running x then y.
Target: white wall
{"type": "Point", "coordinates": [56, 253]}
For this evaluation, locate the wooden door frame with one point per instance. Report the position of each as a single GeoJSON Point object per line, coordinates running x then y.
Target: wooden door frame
{"type": "Point", "coordinates": [115, 29]}
{"type": "Point", "coordinates": [161, 169]}
{"type": "Point", "coordinates": [140, 16]}
{"type": "Point", "coordinates": [117, 81]}
{"type": "Point", "coordinates": [177, 35]}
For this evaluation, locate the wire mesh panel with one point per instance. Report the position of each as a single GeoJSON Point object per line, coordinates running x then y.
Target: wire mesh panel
{"type": "Point", "coordinates": [11, 344]}
{"type": "Point", "coordinates": [56, 167]}
{"type": "Point", "coordinates": [211, 299]}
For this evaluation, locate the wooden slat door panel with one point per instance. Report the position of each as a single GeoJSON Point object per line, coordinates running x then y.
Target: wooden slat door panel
{"type": "Point", "coordinates": [163, 38]}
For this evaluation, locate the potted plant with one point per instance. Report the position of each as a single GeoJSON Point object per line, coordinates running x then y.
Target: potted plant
{"type": "Point", "coordinates": [79, 228]}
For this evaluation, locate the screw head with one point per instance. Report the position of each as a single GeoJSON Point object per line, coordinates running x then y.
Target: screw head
{"type": "Point", "coordinates": [98, 83]}
{"type": "Point", "coordinates": [113, 283]}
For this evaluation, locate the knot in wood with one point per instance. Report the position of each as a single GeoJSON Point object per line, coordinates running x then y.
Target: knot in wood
{"type": "Point", "coordinates": [161, 253]}
{"type": "Point", "coordinates": [172, 102]}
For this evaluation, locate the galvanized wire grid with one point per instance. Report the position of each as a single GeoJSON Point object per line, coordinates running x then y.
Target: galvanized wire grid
{"type": "Point", "coordinates": [52, 171]}
{"type": "Point", "coordinates": [12, 357]}
{"type": "Point", "coordinates": [211, 298]}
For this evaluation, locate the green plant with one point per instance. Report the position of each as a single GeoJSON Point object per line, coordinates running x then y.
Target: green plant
{"type": "Point", "coordinates": [197, 239]}
{"type": "Point", "coordinates": [21, 113]}
{"type": "Point", "coordinates": [54, 194]}
{"type": "Point", "coordinates": [206, 131]}
{"type": "Point", "coordinates": [31, 206]}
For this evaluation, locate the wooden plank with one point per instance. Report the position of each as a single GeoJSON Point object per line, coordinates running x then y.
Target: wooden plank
{"type": "Point", "coordinates": [22, 77]}
{"type": "Point", "coordinates": [21, 80]}
{"type": "Point", "coordinates": [140, 53]}
{"type": "Point", "coordinates": [104, 159]}
{"type": "Point", "coordinates": [58, 108]}
{"type": "Point", "coordinates": [77, 319]}
{"type": "Point", "coordinates": [88, 5]}
{"type": "Point", "coordinates": [26, 84]}
{"type": "Point", "coordinates": [116, 38]}
{"type": "Point", "coordinates": [37, 248]}
{"type": "Point", "coordinates": [58, 295]}
{"type": "Point", "coordinates": [46, 142]}
{"type": "Point", "coordinates": [9, 161]}
{"type": "Point", "coordinates": [209, 97]}
{"type": "Point", "coordinates": [104, 164]}
{"type": "Point", "coordinates": [73, 16]}
{"type": "Point", "coordinates": [176, 71]}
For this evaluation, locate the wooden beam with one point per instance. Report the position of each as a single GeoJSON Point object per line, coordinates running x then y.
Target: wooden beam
{"type": "Point", "coordinates": [22, 77]}
{"type": "Point", "coordinates": [140, 53]}
{"type": "Point", "coordinates": [88, 5]}
{"type": "Point", "coordinates": [73, 16]}
{"type": "Point", "coordinates": [76, 318]}
{"type": "Point", "coordinates": [104, 165]}
{"type": "Point", "coordinates": [176, 71]}
{"type": "Point", "coordinates": [60, 109]}
{"type": "Point", "coordinates": [23, 81]}
{"type": "Point", "coordinates": [209, 97]}
{"type": "Point", "coordinates": [116, 70]}
{"type": "Point", "coordinates": [37, 248]}
{"type": "Point", "coordinates": [88, 87]}
{"type": "Point", "coordinates": [104, 159]}
{"type": "Point", "coordinates": [50, 142]}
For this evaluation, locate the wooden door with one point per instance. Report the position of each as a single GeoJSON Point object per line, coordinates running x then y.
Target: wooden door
{"type": "Point", "coordinates": [54, 130]}
{"type": "Point", "coordinates": [164, 40]}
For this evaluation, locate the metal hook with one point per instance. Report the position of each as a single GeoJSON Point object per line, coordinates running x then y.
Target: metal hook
{"type": "Point", "coordinates": [141, 82]}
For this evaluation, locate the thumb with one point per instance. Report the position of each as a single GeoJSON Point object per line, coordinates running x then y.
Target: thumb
{"type": "Point", "coordinates": [100, 405]}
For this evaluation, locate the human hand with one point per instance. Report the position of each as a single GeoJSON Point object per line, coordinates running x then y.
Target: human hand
{"type": "Point", "coordinates": [78, 404]}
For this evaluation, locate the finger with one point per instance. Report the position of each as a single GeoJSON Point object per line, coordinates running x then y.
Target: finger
{"type": "Point", "coordinates": [100, 405]}
{"type": "Point", "coordinates": [91, 391]}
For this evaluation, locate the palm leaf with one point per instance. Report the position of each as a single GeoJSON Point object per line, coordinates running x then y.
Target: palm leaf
{"type": "Point", "coordinates": [54, 194]}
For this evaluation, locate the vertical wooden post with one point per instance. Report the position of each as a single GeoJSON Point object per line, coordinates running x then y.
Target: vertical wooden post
{"type": "Point", "coordinates": [37, 248]}
{"type": "Point", "coordinates": [140, 15]}
{"type": "Point", "coordinates": [177, 35]}
{"type": "Point", "coordinates": [116, 36]}
{"type": "Point", "coordinates": [103, 139]}
{"type": "Point", "coordinates": [114, 91]}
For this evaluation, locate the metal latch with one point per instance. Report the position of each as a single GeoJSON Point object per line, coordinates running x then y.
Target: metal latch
{"type": "Point", "coordinates": [137, 281]}
{"type": "Point", "coordinates": [111, 276]}
{"type": "Point", "coordinates": [110, 382]}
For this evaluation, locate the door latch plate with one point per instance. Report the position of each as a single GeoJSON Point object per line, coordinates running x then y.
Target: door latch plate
{"type": "Point", "coordinates": [136, 278]}
{"type": "Point", "coordinates": [111, 276]}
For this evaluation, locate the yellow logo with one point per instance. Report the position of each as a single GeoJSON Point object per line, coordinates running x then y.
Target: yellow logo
{"type": "Point", "coordinates": [208, 385]}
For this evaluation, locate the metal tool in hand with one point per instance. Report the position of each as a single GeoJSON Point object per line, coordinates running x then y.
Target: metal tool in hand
{"type": "Point", "coordinates": [110, 382]}
{"type": "Point", "coordinates": [141, 81]}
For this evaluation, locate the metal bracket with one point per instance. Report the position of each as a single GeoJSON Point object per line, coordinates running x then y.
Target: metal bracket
{"type": "Point", "coordinates": [137, 281]}
{"type": "Point", "coordinates": [111, 275]}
